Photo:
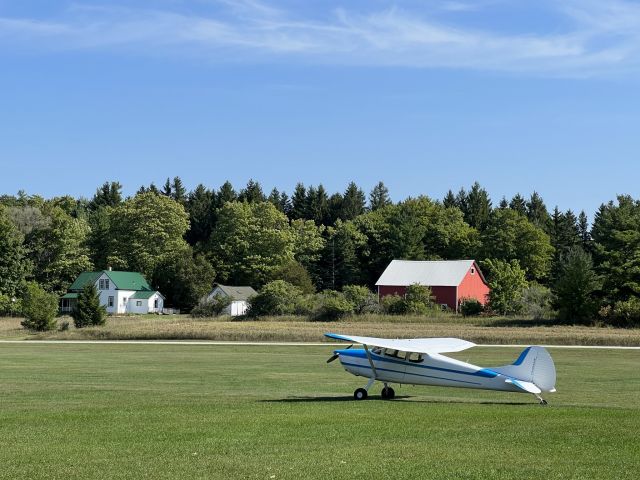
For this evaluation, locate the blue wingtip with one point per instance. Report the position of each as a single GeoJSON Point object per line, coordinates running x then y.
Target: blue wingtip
{"type": "Point", "coordinates": [335, 336]}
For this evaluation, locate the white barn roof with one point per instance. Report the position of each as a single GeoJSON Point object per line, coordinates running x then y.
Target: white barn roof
{"type": "Point", "coordinates": [443, 273]}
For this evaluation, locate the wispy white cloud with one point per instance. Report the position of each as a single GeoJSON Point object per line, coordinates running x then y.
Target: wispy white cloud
{"type": "Point", "coordinates": [600, 37]}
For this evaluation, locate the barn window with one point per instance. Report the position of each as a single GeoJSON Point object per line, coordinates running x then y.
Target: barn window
{"type": "Point", "coordinates": [473, 270]}
{"type": "Point", "coordinates": [138, 303]}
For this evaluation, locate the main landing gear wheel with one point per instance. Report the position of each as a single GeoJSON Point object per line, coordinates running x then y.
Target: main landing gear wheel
{"type": "Point", "coordinates": [360, 394]}
{"type": "Point", "coordinates": [388, 393]}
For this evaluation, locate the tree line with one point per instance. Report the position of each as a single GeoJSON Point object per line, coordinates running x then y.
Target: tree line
{"type": "Point", "coordinates": [539, 262]}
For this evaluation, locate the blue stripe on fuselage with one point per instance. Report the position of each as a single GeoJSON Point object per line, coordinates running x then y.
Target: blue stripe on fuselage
{"type": "Point", "coordinates": [408, 373]}
{"type": "Point", "coordinates": [360, 353]}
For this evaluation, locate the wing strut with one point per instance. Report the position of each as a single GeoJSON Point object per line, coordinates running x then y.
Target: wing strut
{"type": "Point", "coordinates": [373, 368]}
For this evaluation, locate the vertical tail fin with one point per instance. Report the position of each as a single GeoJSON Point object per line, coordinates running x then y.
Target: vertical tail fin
{"type": "Point", "coordinates": [534, 365]}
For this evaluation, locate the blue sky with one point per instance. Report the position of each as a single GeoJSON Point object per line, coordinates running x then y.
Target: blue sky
{"type": "Point", "coordinates": [424, 95]}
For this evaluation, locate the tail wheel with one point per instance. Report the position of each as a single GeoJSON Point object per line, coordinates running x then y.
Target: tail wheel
{"type": "Point", "coordinates": [388, 393]}
{"type": "Point", "coordinates": [360, 394]}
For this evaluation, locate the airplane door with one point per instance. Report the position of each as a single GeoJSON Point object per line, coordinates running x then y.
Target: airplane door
{"type": "Point", "coordinates": [391, 366]}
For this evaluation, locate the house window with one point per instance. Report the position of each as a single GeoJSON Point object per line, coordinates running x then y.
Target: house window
{"type": "Point", "coordinates": [103, 284]}
{"type": "Point", "coordinates": [138, 303]}
{"type": "Point", "coordinates": [155, 303]}
{"type": "Point", "coordinates": [110, 302]}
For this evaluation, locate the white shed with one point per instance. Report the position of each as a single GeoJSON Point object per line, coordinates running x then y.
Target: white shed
{"type": "Point", "coordinates": [239, 298]}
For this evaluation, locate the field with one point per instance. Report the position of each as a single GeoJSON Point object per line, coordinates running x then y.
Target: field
{"type": "Point", "coordinates": [267, 412]}
{"type": "Point", "coordinates": [297, 329]}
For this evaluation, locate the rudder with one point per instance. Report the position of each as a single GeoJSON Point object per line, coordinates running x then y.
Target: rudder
{"type": "Point", "coordinates": [534, 365]}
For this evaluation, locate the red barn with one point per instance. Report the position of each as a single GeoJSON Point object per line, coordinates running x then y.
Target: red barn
{"type": "Point", "coordinates": [450, 280]}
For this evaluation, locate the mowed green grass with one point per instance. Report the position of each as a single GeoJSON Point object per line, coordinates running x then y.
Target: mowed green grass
{"type": "Point", "coordinates": [267, 412]}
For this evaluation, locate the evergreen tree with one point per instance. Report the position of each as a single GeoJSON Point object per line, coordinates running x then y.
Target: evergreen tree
{"type": "Point", "coordinates": [153, 189]}
{"type": "Point", "coordinates": [200, 206]}
{"type": "Point", "coordinates": [583, 231]}
{"type": "Point", "coordinates": [285, 204]}
{"type": "Point", "coordinates": [564, 235]}
{"type": "Point", "coordinates": [478, 207]}
{"type": "Point", "coordinates": [318, 205]}
{"type": "Point", "coordinates": [108, 195]}
{"type": "Point", "coordinates": [88, 310]}
{"type": "Point", "coordinates": [518, 204]}
{"type": "Point", "coordinates": [379, 197]}
{"type": "Point", "coordinates": [537, 211]}
{"type": "Point", "coordinates": [274, 199]}
{"type": "Point", "coordinates": [299, 202]}
{"type": "Point", "coordinates": [335, 207]}
{"type": "Point", "coordinates": [39, 308]}
{"type": "Point", "coordinates": [503, 205]}
{"type": "Point", "coordinates": [353, 202]}
{"type": "Point", "coordinates": [166, 190]}
{"type": "Point", "coordinates": [449, 200]}
{"type": "Point", "coordinates": [576, 286]}
{"type": "Point", "coordinates": [226, 193]}
{"type": "Point", "coordinates": [178, 192]}
{"type": "Point", "coordinates": [252, 193]}
{"type": "Point", "coordinates": [461, 200]}
{"type": "Point", "coordinates": [616, 247]}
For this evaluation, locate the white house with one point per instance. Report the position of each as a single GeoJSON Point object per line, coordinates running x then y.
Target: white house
{"type": "Point", "coordinates": [239, 298]}
{"type": "Point", "coordinates": [119, 292]}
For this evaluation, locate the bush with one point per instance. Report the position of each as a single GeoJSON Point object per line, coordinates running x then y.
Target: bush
{"type": "Point", "coordinates": [470, 307]}
{"type": "Point", "coordinates": [625, 313]}
{"type": "Point", "coordinates": [39, 308]}
{"type": "Point", "coordinates": [88, 310]}
{"type": "Point", "coordinates": [363, 299]}
{"type": "Point", "coordinates": [275, 298]}
{"type": "Point", "coordinates": [536, 302]}
{"type": "Point", "coordinates": [211, 307]}
{"type": "Point", "coordinates": [393, 304]}
{"type": "Point", "coordinates": [419, 300]}
{"type": "Point", "coordinates": [332, 306]}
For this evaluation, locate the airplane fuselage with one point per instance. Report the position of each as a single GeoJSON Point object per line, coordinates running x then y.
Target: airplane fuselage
{"type": "Point", "coordinates": [433, 369]}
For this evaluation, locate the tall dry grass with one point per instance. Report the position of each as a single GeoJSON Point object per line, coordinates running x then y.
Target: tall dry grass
{"type": "Point", "coordinates": [298, 329]}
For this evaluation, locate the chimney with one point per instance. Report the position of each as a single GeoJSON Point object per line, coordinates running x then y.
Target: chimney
{"type": "Point", "coordinates": [109, 268]}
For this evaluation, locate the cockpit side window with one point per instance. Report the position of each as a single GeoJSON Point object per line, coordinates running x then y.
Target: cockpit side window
{"type": "Point", "coordinates": [389, 352]}
{"type": "Point", "coordinates": [415, 357]}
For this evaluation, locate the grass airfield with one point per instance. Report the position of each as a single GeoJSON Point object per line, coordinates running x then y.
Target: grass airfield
{"type": "Point", "coordinates": [266, 412]}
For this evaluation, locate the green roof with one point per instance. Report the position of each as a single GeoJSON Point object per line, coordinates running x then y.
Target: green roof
{"type": "Point", "coordinates": [143, 294]}
{"type": "Point", "coordinates": [121, 280]}
{"type": "Point", "coordinates": [70, 295]}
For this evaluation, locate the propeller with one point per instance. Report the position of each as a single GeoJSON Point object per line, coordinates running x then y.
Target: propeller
{"type": "Point", "coordinates": [336, 355]}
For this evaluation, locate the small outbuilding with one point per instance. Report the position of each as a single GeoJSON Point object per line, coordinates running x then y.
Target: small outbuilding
{"type": "Point", "coordinates": [450, 281]}
{"type": "Point", "coordinates": [239, 298]}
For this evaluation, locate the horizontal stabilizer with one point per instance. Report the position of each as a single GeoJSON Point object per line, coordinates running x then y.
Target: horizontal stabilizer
{"type": "Point", "coordinates": [414, 345]}
{"type": "Point", "coordinates": [526, 386]}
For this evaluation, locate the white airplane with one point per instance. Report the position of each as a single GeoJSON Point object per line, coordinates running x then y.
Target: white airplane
{"type": "Point", "coordinates": [419, 361]}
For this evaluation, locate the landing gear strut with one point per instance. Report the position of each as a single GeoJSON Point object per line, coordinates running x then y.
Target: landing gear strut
{"type": "Point", "coordinates": [363, 393]}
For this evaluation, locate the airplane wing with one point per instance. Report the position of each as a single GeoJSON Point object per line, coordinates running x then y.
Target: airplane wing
{"type": "Point", "coordinates": [415, 345]}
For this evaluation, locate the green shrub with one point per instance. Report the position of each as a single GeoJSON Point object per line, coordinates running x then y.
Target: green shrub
{"type": "Point", "coordinates": [275, 298]}
{"type": "Point", "coordinates": [393, 304]}
{"type": "Point", "coordinates": [39, 308]}
{"type": "Point", "coordinates": [293, 272]}
{"type": "Point", "coordinates": [625, 313]}
{"type": "Point", "coordinates": [332, 306]}
{"type": "Point", "coordinates": [536, 302]}
{"type": "Point", "coordinates": [211, 307]}
{"type": "Point", "coordinates": [363, 299]}
{"type": "Point", "coordinates": [88, 310]}
{"type": "Point", "coordinates": [470, 307]}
